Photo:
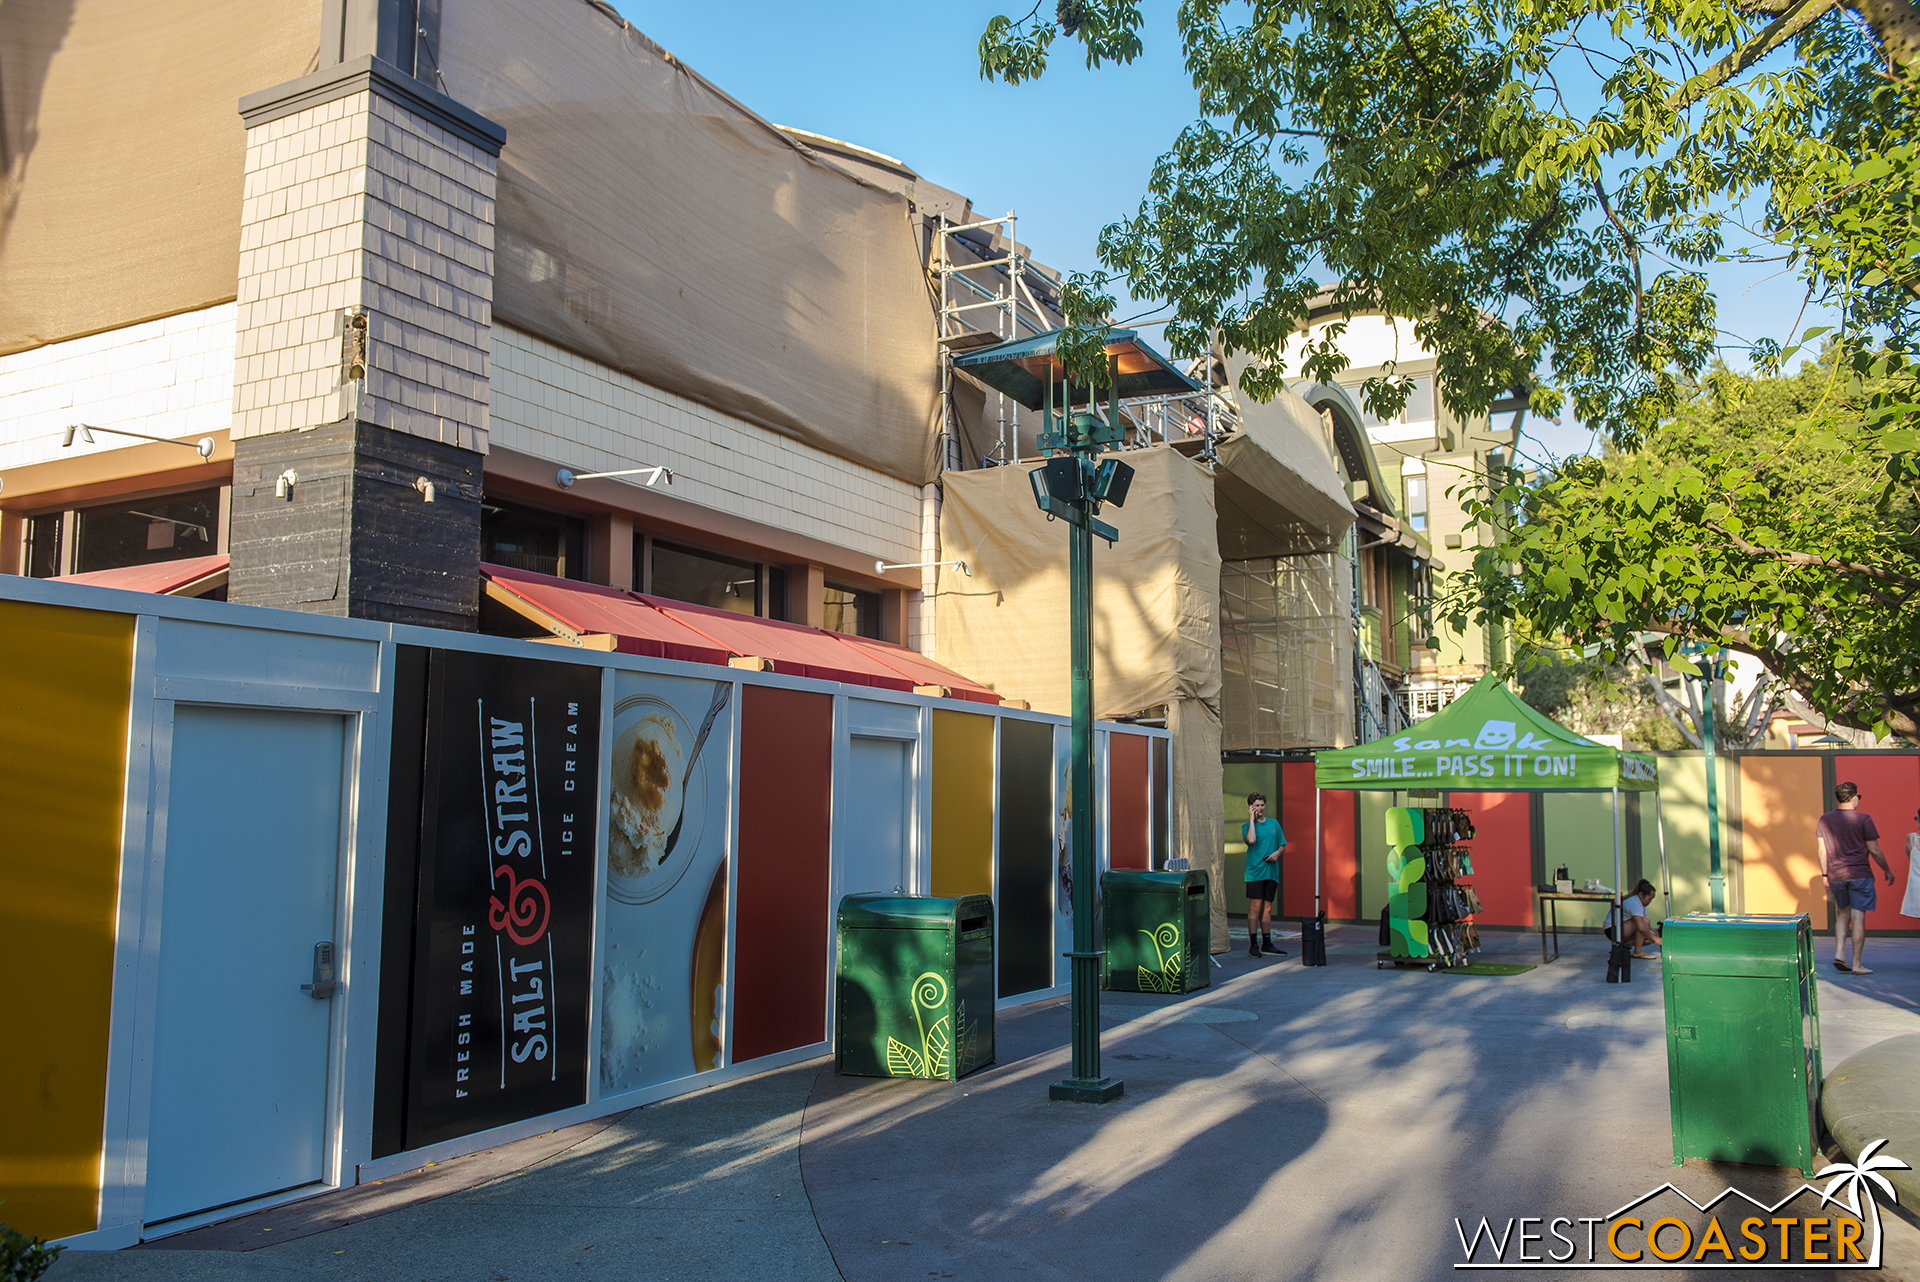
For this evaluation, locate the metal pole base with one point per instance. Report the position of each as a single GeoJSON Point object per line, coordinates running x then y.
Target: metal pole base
{"type": "Point", "coordinates": [1080, 1090]}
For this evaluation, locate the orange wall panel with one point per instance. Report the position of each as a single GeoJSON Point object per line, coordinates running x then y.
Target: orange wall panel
{"type": "Point", "coordinates": [1781, 798]}
{"type": "Point", "coordinates": [65, 683]}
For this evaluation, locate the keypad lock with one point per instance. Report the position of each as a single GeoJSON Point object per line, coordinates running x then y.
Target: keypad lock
{"type": "Point", "coordinates": [323, 972]}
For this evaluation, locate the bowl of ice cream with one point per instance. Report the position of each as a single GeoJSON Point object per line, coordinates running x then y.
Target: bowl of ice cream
{"type": "Point", "coordinates": [654, 791]}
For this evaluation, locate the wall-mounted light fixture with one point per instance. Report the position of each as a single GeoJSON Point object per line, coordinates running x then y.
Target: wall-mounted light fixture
{"type": "Point", "coordinates": [425, 487]}
{"type": "Point", "coordinates": [881, 567]}
{"type": "Point", "coordinates": [203, 447]}
{"type": "Point", "coordinates": [283, 488]}
{"type": "Point", "coordinates": [566, 478]}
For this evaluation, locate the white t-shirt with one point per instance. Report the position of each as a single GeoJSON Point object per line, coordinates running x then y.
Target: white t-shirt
{"type": "Point", "coordinates": [1631, 906]}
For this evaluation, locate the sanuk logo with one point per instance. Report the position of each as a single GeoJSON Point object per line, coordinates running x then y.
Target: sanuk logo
{"type": "Point", "coordinates": [1666, 1229]}
{"type": "Point", "coordinates": [1495, 735]}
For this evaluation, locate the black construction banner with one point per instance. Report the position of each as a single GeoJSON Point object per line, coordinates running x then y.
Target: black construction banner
{"type": "Point", "coordinates": [504, 948]}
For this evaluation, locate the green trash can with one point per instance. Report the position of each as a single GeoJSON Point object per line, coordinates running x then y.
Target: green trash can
{"type": "Point", "coordinates": [913, 986]}
{"type": "Point", "coordinates": [1157, 932]}
{"type": "Point", "coordinates": [1743, 1038]}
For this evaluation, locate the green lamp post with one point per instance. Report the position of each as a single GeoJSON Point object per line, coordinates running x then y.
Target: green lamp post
{"type": "Point", "coordinates": [1710, 669]}
{"type": "Point", "coordinates": [1071, 486]}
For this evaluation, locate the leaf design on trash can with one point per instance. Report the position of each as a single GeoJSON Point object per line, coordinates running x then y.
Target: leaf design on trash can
{"type": "Point", "coordinates": [1166, 951]}
{"type": "Point", "coordinates": [935, 1056]}
{"type": "Point", "coordinates": [904, 1061]}
{"type": "Point", "coordinates": [939, 1049]}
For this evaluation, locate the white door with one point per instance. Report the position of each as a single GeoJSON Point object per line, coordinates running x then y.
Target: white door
{"type": "Point", "coordinates": [877, 828]}
{"type": "Point", "coordinates": [239, 1103]}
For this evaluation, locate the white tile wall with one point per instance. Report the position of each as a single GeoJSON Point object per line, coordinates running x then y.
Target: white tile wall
{"type": "Point", "coordinates": [358, 202]}
{"type": "Point", "coordinates": [171, 377]}
{"type": "Point", "coordinates": [551, 403]}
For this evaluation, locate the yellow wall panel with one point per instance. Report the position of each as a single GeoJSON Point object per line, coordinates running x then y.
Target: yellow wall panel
{"type": "Point", "coordinates": [962, 803]}
{"type": "Point", "coordinates": [1780, 801]}
{"type": "Point", "coordinates": [65, 680]}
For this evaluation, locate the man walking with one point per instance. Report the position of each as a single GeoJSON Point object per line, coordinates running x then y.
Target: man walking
{"type": "Point", "coordinates": [1264, 841]}
{"type": "Point", "coordinates": [1847, 840]}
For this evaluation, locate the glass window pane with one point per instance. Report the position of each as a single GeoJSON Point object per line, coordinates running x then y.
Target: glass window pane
{"type": "Point", "coordinates": [1419, 401]}
{"type": "Point", "coordinates": [146, 531]}
{"type": "Point", "coordinates": [704, 578]}
{"type": "Point", "coordinates": [524, 538]}
{"type": "Point", "coordinates": [776, 604]}
{"type": "Point", "coordinates": [851, 611]}
{"type": "Point", "coordinates": [43, 546]}
{"type": "Point", "coordinates": [1417, 502]}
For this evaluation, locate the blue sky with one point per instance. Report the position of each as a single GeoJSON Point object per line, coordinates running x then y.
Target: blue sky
{"type": "Point", "coordinates": [1071, 153]}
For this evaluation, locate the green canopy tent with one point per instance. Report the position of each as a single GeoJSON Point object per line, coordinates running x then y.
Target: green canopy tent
{"type": "Point", "coordinates": [1487, 740]}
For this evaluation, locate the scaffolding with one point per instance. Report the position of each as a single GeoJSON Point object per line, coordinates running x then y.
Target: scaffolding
{"type": "Point", "coordinates": [982, 282]}
{"type": "Point", "coordinates": [1377, 711]}
{"type": "Point", "coordinates": [1280, 683]}
{"type": "Point", "coordinates": [986, 279]}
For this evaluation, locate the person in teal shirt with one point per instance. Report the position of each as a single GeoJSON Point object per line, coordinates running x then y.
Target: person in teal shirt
{"type": "Point", "coordinates": [1265, 842]}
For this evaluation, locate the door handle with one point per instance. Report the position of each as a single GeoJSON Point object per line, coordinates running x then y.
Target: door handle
{"type": "Point", "coordinates": [323, 974]}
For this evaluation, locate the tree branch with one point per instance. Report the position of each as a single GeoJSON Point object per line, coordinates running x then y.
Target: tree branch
{"type": "Point", "coordinates": [1798, 17]}
{"type": "Point", "coordinates": [1668, 704]}
{"type": "Point", "coordinates": [1809, 560]}
{"type": "Point", "coordinates": [1858, 704]}
{"type": "Point", "coordinates": [1897, 23]}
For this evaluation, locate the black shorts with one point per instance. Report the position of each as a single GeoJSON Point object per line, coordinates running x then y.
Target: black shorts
{"type": "Point", "coordinates": [1266, 890]}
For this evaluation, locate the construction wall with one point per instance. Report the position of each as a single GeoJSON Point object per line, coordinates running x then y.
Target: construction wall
{"type": "Point", "coordinates": [589, 969]}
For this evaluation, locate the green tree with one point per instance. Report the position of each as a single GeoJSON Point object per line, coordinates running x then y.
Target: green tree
{"type": "Point", "coordinates": [1754, 520]}
{"type": "Point", "coordinates": [1536, 184]}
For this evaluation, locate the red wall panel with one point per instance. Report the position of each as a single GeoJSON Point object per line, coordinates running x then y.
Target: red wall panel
{"type": "Point", "coordinates": [1889, 791]}
{"type": "Point", "coordinates": [1340, 840]}
{"type": "Point", "coordinates": [781, 931]}
{"type": "Point", "coordinates": [1294, 810]}
{"type": "Point", "coordinates": [1502, 855]}
{"type": "Point", "coordinates": [1129, 783]}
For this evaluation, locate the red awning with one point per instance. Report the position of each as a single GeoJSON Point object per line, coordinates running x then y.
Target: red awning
{"type": "Point", "coordinates": [634, 624]}
{"type": "Point", "coordinates": [189, 576]}
{"type": "Point", "coordinates": [920, 669]}
{"type": "Point", "coordinates": [792, 648]}
{"type": "Point", "coordinates": [572, 609]}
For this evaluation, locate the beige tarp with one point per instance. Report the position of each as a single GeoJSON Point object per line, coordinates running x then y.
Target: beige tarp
{"type": "Point", "coordinates": [1155, 599]}
{"type": "Point", "coordinates": [1199, 824]}
{"type": "Point", "coordinates": [645, 219]}
{"type": "Point", "coordinates": [122, 153]}
{"type": "Point", "coordinates": [648, 221]}
{"type": "Point", "coordinates": [1280, 494]}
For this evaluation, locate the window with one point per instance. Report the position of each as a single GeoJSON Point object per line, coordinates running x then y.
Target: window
{"type": "Point", "coordinates": [145, 532]}
{"type": "Point", "coordinates": [43, 545]}
{"type": "Point", "coordinates": [170, 527]}
{"type": "Point", "coordinates": [851, 611]}
{"type": "Point", "coordinates": [1417, 502]}
{"type": "Point", "coordinates": [1418, 409]}
{"type": "Point", "coordinates": [700, 576]}
{"type": "Point", "coordinates": [705, 578]}
{"type": "Point", "coordinates": [524, 538]}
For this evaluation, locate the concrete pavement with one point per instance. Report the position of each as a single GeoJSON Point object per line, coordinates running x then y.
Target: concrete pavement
{"type": "Point", "coordinates": [1286, 1123]}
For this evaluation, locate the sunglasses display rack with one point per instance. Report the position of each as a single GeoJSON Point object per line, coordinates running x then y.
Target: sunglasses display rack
{"type": "Point", "coordinates": [1430, 906]}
